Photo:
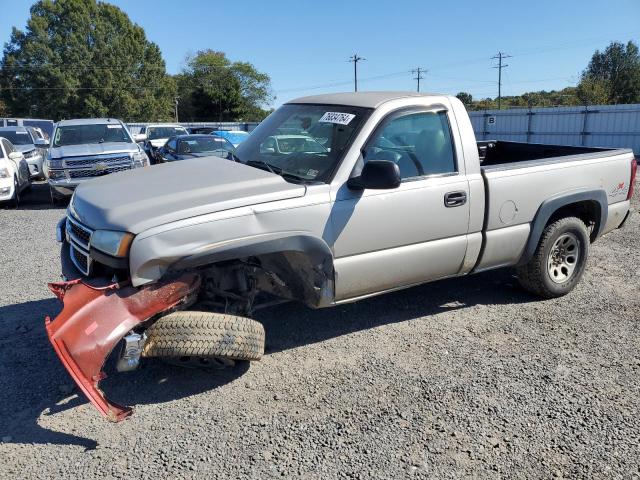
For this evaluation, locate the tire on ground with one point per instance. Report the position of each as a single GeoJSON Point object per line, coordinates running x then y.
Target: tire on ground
{"type": "Point", "coordinates": [534, 276]}
{"type": "Point", "coordinates": [205, 334]}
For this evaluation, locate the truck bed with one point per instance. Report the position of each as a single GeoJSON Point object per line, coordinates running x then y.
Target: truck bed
{"type": "Point", "coordinates": [519, 177]}
{"type": "Point", "coordinates": [497, 153]}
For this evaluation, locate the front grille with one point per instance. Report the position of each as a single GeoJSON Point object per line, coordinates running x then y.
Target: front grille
{"type": "Point", "coordinates": [80, 260]}
{"type": "Point", "coordinates": [79, 234]}
{"type": "Point", "coordinates": [97, 173]}
{"type": "Point", "coordinates": [90, 161]}
{"type": "Point", "coordinates": [79, 240]}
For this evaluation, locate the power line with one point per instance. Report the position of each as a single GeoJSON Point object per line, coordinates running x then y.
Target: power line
{"type": "Point", "coordinates": [355, 59]}
{"type": "Point", "coordinates": [418, 75]}
{"type": "Point", "coordinates": [500, 56]}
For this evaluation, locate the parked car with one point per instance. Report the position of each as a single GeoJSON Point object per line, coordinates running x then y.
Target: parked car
{"type": "Point", "coordinates": [14, 173]}
{"type": "Point", "coordinates": [153, 137]}
{"type": "Point", "coordinates": [33, 147]}
{"type": "Point", "coordinates": [183, 147]}
{"type": "Point", "coordinates": [191, 250]}
{"type": "Point", "coordinates": [285, 144]}
{"type": "Point", "coordinates": [88, 148]}
{"type": "Point", "coordinates": [200, 130]}
{"type": "Point", "coordinates": [236, 137]}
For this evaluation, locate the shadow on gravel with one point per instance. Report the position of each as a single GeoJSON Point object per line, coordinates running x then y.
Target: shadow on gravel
{"type": "Point", "coordinates": [294, 325]}
{"type": "Point", "coordinates": [38, 198]}
{"type": "Point", "coordinates": [34, 383]}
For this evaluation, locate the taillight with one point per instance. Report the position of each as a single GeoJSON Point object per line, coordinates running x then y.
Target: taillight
{"type": "Point", "coordinates": [634, 169]}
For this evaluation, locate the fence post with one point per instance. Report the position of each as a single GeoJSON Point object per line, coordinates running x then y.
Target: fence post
{"type": "Point", "coordinates": [583, 133]}
{"type": "Point", "coordinates": [529, 118]}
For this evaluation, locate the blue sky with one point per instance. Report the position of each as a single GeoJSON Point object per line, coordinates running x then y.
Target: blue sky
{"type": "Point", "coordinates": [304, 45]}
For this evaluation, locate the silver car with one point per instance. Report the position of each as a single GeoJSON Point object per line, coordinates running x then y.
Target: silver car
{"type": "Point", "coordinates": [31, 145]}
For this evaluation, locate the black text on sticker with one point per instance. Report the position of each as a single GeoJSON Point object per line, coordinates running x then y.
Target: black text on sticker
{"type": "Point", "coordinates": [337, 117]}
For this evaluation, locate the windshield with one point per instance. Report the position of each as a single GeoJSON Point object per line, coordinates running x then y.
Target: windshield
{"type": "Point", "coordinates": [305, 142]}
{"type": "Point", "coordinates": [154, 133]}
{"type": "Point", "coordinates": [17, 137]}
{"type": "Point", "coordinates": [96, 133]}
{"type": "Point", "coordinates": [204, 145]}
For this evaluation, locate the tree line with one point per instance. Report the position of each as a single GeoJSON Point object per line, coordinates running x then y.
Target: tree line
{"type": "Point", "coordinates": [84, 58]}
{"type": "Point", "coordinates": [611, 77]}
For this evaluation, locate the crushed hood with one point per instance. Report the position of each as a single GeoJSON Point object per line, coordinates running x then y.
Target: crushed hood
{"type": "Point", "coordinates": [139, 199]}
{"type": "Point", "coordinates": [158, 142]}
{"type": "Point", "coordinates": [24, 148]}
{"type": "Point", "coordinates": [92, 149]}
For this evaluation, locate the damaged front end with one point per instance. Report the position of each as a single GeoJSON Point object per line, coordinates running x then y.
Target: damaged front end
{"type": "Point", "coordinates": [94, 319]}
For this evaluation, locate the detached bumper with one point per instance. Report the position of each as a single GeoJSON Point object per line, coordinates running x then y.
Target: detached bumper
{"type": "Point", "coordinates": [93, 321]}
{"type": "Point", "coordinates": [63, 188]}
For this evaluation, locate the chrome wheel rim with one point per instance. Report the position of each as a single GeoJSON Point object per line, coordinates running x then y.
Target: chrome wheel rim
{"type": "Point", "coordinates": [563, 258]}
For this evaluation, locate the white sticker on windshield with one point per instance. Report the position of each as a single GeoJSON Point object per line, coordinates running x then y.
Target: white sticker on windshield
{"type": "Point", "coordinates": [114, 126]}
{"type": "Point", "coordinates": [337, 117]}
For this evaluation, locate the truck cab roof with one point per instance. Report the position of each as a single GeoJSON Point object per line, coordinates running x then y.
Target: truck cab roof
{"type": "Point", "coordinates": [359, 99]}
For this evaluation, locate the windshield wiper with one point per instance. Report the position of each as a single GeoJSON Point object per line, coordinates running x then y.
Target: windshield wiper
{"type": "Point", "coordinates": [262, 164]}
{"type": "Point", "coordinates": [298, 179]}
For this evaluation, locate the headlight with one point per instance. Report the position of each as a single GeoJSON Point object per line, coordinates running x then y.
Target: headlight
{"type": "Point", "coordinates": [113, 243]}
{"type": "Point", "coordinates": [57, 163]}
{"type": "Point", "coordinates": [140, 159]}
{"type": "Point", "coordinates": [4, 173]}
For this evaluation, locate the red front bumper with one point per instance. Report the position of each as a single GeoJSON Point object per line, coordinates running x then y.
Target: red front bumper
{"type": "Point", "coordinates": [93, 320]}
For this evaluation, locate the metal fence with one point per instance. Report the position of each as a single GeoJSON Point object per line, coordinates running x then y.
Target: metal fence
{"type": "Point", "coordinates": [591, 126]}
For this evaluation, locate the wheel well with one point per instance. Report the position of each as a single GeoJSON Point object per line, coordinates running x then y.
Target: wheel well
{"type": "Point", "coordinates": [288, 275]}
{"type": "Point", "coordinates": [588, 211]}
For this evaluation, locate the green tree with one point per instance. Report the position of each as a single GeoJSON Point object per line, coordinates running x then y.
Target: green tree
{"type": "Point", "coordinates": [614, 72]}
{"type": "Point", "coordinates": [465, 98]}
{"type": "Point", "coordinates": [84, 58]}
{"type": "Point", "coordinates": [4, 111]}
{"type": "Point", "coordinates": [211, 87]}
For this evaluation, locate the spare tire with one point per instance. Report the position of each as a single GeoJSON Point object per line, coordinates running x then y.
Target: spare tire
{"type": "Point", "coordinates": [205, 334]}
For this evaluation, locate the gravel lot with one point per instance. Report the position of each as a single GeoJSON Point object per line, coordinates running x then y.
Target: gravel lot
{"type": "Point", "coordinates": [466, 377]}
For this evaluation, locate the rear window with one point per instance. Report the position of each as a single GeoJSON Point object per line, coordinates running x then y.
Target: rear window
{"type": "Point", "coordinates": [154, 133]}
{"type": "Point", "coordinates": [96, 133]}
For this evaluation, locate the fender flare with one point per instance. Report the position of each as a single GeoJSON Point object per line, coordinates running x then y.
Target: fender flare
{"type": "Point", "coordinates": [315, 247]}
{"type": "Point", "coordinates": [552, 205]}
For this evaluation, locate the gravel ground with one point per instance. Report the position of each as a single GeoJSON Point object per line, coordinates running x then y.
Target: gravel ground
{"type": "Point", "coordinates": [467, 377]}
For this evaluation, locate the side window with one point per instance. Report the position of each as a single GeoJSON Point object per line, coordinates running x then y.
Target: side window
{"type": "Point", "coordinates": [420, 143]}
{"type": "Point", "coordinates": [172, 145]}
{"type": "Point", "coordinates": [8, 147]}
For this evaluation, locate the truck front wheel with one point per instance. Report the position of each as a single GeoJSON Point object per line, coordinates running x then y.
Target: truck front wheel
{"type": "Point", "coordinates": [559, 260]}
{"type": "Point", "coordinates": [205, 334]}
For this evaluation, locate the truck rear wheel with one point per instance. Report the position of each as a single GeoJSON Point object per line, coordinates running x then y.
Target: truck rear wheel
{"type": "Point", "coordinates": [559, 260]}
{"type": "Point", "coordinates": [205, 334]}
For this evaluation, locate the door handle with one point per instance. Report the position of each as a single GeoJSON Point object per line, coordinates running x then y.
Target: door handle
{"type": "Point", "coordinates": [455, 199]}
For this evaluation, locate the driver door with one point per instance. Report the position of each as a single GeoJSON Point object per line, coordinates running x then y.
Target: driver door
{"type": "Point", "coordinates": [387, 239]}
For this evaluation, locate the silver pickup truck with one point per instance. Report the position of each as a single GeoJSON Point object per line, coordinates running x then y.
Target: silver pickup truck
{"type": "Point", "coordinates": [89, 148]}
{"type": "Point", "coordinates": [399, 194]}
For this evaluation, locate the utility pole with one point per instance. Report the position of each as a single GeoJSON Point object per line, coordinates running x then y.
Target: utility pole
{"type": "Point", "coordinates": [418, 72]}
{"type": "Point", "coordinates": [500, 56]}
{"type": "Point", "coordinates": [177, 101]}
{"type": "Point", "coordinates": [355, 59]}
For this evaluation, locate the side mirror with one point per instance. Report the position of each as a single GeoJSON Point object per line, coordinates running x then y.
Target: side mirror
{"type": "Point", "coordinates": [377, 174]}
{"type": "Point", "coordinates": [139, 137]}
{"type": "Point", "coordinates": [42, 143]}
{"type": "Point", "coordinates": [15, 156]}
